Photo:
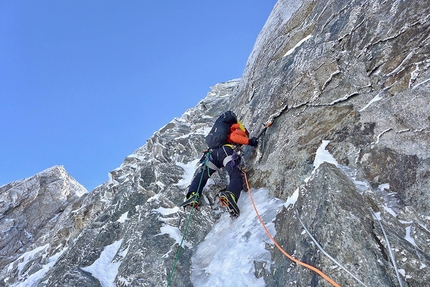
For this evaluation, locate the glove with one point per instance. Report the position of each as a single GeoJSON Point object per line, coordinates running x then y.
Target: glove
{"type": "Point", "coordinates": [253, 141]}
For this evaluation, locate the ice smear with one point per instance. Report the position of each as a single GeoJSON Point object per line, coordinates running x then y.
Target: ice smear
{"type": "Point", "coordinates": [323, 155]}
{"type": "Point", "coordinates": [174, 233]}
{"type": "Point", "coordinates": [378, 97]}
{"type": "Point", "coordinates": [226, 256]}
{"type": "Point", "coordinates": [408, 236]}
{"type": "Point", "coordinates": [393, 204]}
{"type": "Point", "coordinates": [103, 268]}
{"type": "Point", "coordinates": [27, 256]}
{"type": "Point", "coordinates": [123, 217]}
{"type": "Point", "coordinates": [297, 45]}
{"type": "Point", "coordinates": [292, 199]}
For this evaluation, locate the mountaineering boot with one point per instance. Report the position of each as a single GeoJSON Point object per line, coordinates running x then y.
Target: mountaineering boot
{"type": "Point", "coordinates": [192, 200]}
{"type": "Point", "coordinates": [228, 200]}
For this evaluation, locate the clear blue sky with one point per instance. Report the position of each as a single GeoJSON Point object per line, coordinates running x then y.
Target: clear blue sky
{"type": "Point", "coordinates": [84, 83]}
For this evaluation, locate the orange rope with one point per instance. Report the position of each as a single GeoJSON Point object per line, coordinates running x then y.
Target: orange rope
{"type": "Point", "coordinates": [279, 247]}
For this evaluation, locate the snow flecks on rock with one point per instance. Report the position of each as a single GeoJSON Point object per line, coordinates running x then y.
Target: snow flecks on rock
{"type": "Point", "coordinates": [189, 169]}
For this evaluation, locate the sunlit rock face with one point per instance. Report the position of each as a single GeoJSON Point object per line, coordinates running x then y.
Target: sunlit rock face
{"type": "Point", "coordinates": [33, 211]}
{"type": "Point", "coordinates": [346, 85]}
{"type": "Point", "coordinates": [356, 74]}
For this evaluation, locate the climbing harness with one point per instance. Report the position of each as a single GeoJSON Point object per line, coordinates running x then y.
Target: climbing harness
{"type": "Point", "coordinates": [237, 151]}
{"type": "Point", "coordinates": [205, 161]}
{"type": "Point", "coordinates": [319, 272]}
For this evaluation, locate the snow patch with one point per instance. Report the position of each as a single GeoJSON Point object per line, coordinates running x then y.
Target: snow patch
{"type": "Point", "coordinates": [156, 197]}
{"type": "Point", "coordinates": [384, 186]}
{"type": "Point", "coordinates": [166, 211]}
{"type": "Point", "coordinates": [390, 210]}
{"type": "Point", "coordinates": [323, 155]}
{"type": "Point", "coordinates": [292, 199]}
{"type": "Point", "coordinates": [123, 217]}
{"type": "Point", "coordinates": [27, 256]}
{"type": "Point", "coordinates": [380, 135]}
{"type": "Point", "coordinates": [419, 84]}
{"type": "Point", "coordinates": [173, 232]}
{"type": "Point", "coordinates": [104, 269]}
{"type": "Point", "coordinates": [298, 45]}
{"type": "Point", "coordinates": [35, 278]}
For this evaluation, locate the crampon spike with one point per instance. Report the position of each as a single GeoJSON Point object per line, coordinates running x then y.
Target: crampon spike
{"type": "Point", "coordinates": [224, 201]}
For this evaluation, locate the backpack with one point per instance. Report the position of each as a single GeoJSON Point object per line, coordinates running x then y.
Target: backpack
{"type": "Point", "coordinates": [220, 130]}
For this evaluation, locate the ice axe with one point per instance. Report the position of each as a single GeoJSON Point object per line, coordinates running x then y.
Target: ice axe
{"type": "Point", "coordinates": [244, 169]}
{"type": "Point", "coordinates": [265, 128]}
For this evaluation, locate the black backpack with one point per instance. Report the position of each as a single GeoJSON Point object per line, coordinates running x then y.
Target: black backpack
{"type": "Point", "coordinates": [220, 130]}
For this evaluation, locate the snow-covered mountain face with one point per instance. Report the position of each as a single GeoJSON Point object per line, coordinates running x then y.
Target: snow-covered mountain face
{"type": "Point", "coordinates": [34, 211]}
{"type": "Point", "coordinates": [341, 178]}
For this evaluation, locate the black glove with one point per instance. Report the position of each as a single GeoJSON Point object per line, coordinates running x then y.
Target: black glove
{"type": "Point", "coordinates": [253, 141]}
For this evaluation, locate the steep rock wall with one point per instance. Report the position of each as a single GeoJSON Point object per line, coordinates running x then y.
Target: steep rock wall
{"type": "Point", "coordinates": [356, 74]}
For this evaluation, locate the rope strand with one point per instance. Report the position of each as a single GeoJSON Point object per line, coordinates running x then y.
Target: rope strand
{"type": "Point", "coordinates": [186, 228]}
{"type": "Point", "coordinates": [179, 248]}
{"type": "Point", "coordinates": [323, 251]}
{"type": "Point", "coordinates": [316, 270]}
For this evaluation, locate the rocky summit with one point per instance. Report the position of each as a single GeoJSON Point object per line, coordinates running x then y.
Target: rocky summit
{"type": "Point", "coordinates": [341, 177]}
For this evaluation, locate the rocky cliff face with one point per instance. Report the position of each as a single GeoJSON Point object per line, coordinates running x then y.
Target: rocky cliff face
{"type": "Point", "coordinates": [346, 84]}
{"type": "Point", "coordinates": [33, 212]}
{"type": "Point", "coordinates": [357, 75]}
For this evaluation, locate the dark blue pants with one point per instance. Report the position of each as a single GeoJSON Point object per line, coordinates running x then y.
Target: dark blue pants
{"type": "Point", "coordinates": [217, 157]}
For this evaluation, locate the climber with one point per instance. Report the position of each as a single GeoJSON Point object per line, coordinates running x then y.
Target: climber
{"type": "Point", "coordinates": [224, 141]}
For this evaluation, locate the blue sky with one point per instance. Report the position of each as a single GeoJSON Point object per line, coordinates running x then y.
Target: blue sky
{"type": "Point", "coordinates": [85, 83]}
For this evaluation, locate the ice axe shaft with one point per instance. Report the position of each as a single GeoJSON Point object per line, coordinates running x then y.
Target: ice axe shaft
{"type": "Point", "coordinates": [264, 130]}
